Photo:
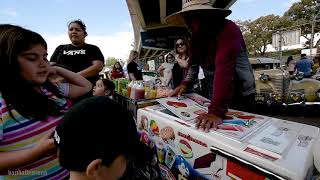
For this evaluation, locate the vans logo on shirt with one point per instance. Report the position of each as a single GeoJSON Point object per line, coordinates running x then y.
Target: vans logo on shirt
{"type": "Point", "coordinates": [74, 52]}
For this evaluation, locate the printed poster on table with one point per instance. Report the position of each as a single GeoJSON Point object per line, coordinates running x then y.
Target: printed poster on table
{"type": "Point", "coordinates": [277, 138]}
{"type": "Point", "coordinates": [239, 124]}
{"type": "Point", "coordinates": [184, 108]}
{"type": "Point", "coordinates": [236, 124]}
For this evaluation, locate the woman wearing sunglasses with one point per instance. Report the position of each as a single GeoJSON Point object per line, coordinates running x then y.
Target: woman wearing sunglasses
{"type": "Point", "coordinates": [180, 68]}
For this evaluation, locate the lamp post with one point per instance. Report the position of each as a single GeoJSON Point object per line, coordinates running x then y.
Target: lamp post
{"type": "Point", "coordinates": [313, 23]}
{"type": "Point", "coordinates": [280, 44]}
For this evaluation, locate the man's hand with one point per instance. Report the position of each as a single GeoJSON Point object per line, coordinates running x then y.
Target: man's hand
{"type": "Point", "coordinates": [178, 90]}
{"type": "Point", "coordinates": [208, 121]}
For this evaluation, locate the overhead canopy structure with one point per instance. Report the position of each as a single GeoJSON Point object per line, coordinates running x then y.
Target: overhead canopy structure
{"type": "Point", "coordinates": [153, 37]}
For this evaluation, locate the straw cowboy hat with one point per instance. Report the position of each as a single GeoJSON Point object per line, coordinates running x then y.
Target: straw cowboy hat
{"type": "Point", "coordinates": [188, 6]}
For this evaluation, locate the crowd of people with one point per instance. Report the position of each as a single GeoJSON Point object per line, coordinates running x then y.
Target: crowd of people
{"type": "Point", "coordinates": [42, 121]}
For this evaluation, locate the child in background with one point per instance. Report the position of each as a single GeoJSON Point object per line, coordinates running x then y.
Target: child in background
{"type": "Point", "coordinates": [103, 87]}
{"type": "Point", "coordinates": [109, 143]}
{"type": "Point", "coordinates": [31, 106]}
{"type": "Point", "coordinates": [166, 70]}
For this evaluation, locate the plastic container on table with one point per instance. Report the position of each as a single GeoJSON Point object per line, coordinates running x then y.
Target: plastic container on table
{"type": "Point", "coordinates": [139, 91]}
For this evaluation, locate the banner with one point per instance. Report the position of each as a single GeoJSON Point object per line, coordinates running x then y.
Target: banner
{"type": "Point", "coordinates": [162, 38]}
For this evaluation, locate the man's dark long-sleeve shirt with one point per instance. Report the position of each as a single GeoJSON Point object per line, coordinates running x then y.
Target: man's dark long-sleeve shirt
{"type": "Point", "coordinates": [228, 60]}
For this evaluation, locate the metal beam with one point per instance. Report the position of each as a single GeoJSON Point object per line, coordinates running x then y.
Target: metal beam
{"type": "Point", "coordinates": [163, 10]}
{"type": "Point", "coordinates": [163, 52]}
{"type": "Point", "coordinates": [153, 54]}
{"type": "Point", "coordinates": [134, 4]}
{"type": "Point", "coordinates": [146, 54]}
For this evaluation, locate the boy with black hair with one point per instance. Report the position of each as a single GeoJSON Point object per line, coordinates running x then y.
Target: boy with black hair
{"type": "Point", "coordinates": [104, 87]}
{"type": "Point", "coordinates": [97, 139]}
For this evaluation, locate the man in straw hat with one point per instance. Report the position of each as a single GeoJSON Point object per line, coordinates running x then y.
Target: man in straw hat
{"type": "Point", "coordinates": [218, 47]}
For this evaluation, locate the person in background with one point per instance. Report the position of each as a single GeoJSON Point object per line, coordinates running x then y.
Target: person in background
{"type": "Point", "coordinates": [181, 65]}
{"type": "Point", "coordinates": [304, 65]}
{"type": "Point", "coordinates": [316, 64]}
{"type": "Point", "coordinates": [104, 87]}
{"type": "Point", "coordinates": [217, 45]}
{"type": "Point", "coordinates": [30, 105]}
{"type": "Point", "coordinates": [166, 70]}
{"type": "Point", "coordinates": [290, 65]}
{"type": "Point", "coordinates": [80, 57]}
{"type": "Point", "coordinates": [110, 147]}
{"type": "Point", "coordinates": [134, 72]}
{"type": "Point", "coordinates": [117, 71]}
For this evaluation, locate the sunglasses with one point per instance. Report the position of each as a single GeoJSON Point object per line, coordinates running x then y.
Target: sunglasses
{"type": "Point", "coordinates": [180, 44]}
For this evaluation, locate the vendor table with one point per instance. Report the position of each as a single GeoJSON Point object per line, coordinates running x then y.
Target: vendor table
{"type": "Point", "coordinates": [133, 105]}
{"type": "Point", "coordinates": [265, 148]}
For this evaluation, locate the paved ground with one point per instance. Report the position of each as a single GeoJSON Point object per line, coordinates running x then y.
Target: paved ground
{"type": "Point", "coordinates": [306, 115]}
{"type": "Point", "coordinates": [314, 121]}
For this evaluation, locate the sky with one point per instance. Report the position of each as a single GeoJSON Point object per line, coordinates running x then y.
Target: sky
{"type": "Point", "coordinates": [108, 21]}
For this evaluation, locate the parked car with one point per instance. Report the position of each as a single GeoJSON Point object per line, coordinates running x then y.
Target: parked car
{"type": "Point", "coordinates": [303, 91]}
{"type": "Point", "coordinates": [270, 86]}
{"type": "Point", "coordinates": [270, 81]}
{"type": "Point", "coordinates": [274, 86]}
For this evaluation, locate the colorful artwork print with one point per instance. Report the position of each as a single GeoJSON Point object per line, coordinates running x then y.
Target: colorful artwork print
{"type": "Point", "coordinates": [176, 104]}
{"type": "Point", "coordinates": [166, 173]}
{"type": "Point", "coordinates": [161, 152]}
{"type": "Point", "coordinates": [236, 125]}
{"type": "Point", "coordinates": [185, 149]}
{"type": "Point", "coordinates": [185, 169]}
{"type": "Point", "coordinates": [236, 122]}
{"type": "Point", "coordinates": [199, 99]}
{"type": "Point", "coordinates": [231, 127]}
{"type": "Point", "coordinates": [170, 157]}
{"type": "Point", "coordinates": [184, 108]}
{"type": "Point", "coordinates": [154, 129]}
{"type": "Point", "coordinates": [167, 135]}
{"type": "Point", "coordinates": [143, 123]}
{"type": "Point", "coordinates": [144, 138]}
{"type": "Point", "coordinates": [239, 124]}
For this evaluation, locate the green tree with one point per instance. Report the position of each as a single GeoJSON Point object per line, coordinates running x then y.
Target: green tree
{"type": "Point", "coordinates": [301, 14]}
{"type": "Point", "coordinates": [258, 33]}
{"type": "Point", "coordinates": [110, 61]}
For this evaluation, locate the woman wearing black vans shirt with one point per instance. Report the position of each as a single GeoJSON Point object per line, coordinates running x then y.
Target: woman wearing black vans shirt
{"type": "Point", "coordinates": [79, 57]}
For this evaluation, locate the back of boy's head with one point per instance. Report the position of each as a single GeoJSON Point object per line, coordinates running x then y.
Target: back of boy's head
{"type": "Point", "coordinates": [108, 84]}
{"type": "Point", "coordinates": [95, 128]}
